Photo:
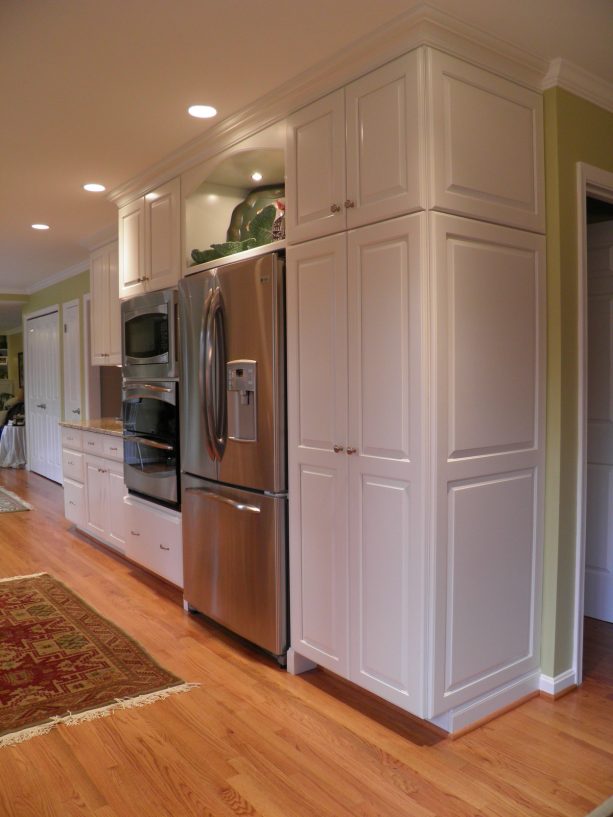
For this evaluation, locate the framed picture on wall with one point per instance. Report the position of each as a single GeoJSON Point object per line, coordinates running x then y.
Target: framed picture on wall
{"type": "Point", "coordinates": [20, 368]}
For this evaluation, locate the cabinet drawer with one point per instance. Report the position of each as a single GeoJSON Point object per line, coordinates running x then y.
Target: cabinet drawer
{"type": "Point", "coordinates": [93, 443]}
{"type": "Point", "coordinates": [153, 540]}
{"type": "Point", "coordinates": [74, 502]}
{"type": "Point", "coordinates": [73, 465]}
{"type": "Point", "coordinates": [112, 446]}
{"type": "Point", "coordinates": [72, 438]}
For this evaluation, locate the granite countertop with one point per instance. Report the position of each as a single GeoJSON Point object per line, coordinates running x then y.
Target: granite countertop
{"type": "Point", "coordinates": [103, 425]}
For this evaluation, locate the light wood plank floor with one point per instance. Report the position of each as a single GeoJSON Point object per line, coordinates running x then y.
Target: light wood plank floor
{"type": "Point", "coordinates": [253, 740]}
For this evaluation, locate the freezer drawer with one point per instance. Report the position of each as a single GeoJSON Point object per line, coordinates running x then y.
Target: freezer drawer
{"type": "Point", "coordinates": [234, 560]}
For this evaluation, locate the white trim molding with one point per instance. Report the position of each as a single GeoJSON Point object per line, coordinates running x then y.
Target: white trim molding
{"type": "Point", "coordinates": [570, 77]}
{"type": "Point", "coordinates": [63, 275]}
{"type": "Point", "coordinates": [561, 682]}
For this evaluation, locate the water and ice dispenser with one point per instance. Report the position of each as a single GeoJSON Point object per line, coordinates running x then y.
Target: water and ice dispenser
{"type": "Point", "coordinates": [241, 377]}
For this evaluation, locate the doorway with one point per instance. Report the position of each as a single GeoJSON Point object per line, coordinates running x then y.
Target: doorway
{"type": "Point", "coordinates": [594, 565]}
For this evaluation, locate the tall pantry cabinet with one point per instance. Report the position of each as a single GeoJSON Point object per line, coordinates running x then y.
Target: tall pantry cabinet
{"type": "Point", "coordinates": [415, 383]}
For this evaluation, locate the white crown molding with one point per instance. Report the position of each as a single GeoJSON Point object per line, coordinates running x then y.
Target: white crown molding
{"type": "Point", "coordinates": [423, 25]}
{"type": "Point", "coordinates": [69, 272]}
{"type": "Point", "coordinates": [570, 77]}
{"type": "Point", "coordinates": [100, 238]}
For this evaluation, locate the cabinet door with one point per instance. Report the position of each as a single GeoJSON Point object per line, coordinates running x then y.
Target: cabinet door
{"type": "Point", "coordinates": [116, 526]}
{"type": "Point", "coordinates": [315, 178]}
{"type": "Point", "coordinates": [384, 139]}
{"type": "Point", "coordinates": [132, 248]}
{"type": "Point", "coordinates": [100, 305]}
{"type": "Point", "coordinates": [385, 442]}
{"type": "Point", "coordinates": [317, 432]}
{"type": "Point", "coordinates": [486, 150]}
{"type": "Point", "coordinates": [97, 483]}
{"type": "Point", "coordinates": [74, 502]}
{"type": "Point", "coordinates": [114, 306]}
{"type": "Point", "coordinates": [162, 231]}
{"type": "Point", "coordinates": [153, 540]}
{"type": "Point", "coordinates": [489, 291]}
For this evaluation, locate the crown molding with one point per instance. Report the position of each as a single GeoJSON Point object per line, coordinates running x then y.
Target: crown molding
{"type": "Point", "coordinates": [100, 238]}
{"type": "Point", "coordinates": [423, 25]}
{"type": "Point", "coordinates": [56, 278]}
{"type": "Point", "coordinates": [570, 77]}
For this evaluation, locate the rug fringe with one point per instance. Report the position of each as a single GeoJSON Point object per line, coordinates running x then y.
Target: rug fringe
{"type": "Point", "coordinates": [18, 578]}
{"type": "Point", "coordinates": [14, 738]}
{"type": "Point", "coordinates": [18, 499]}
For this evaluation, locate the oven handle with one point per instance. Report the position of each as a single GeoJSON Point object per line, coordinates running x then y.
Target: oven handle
{"type": "Point", "coordinates": [156, 388]}
{"type": "Point", "coordinates": [239, 506]}
{"type": "Point", "coordinates": [150, 443]}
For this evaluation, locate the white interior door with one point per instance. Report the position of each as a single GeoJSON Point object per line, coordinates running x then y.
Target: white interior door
{"type": "Point", "coordinates": [43, 414]}
{"type": "Point", "coordinates": [598, 600]}
{"type": "Point", "coordinates": [71, 315]}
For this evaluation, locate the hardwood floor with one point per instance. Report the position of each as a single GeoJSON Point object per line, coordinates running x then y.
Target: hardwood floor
{"type": "Point", "coordinates": [253, 740]}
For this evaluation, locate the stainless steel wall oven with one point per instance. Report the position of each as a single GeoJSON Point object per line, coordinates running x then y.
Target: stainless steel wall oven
{"type": "Point", "coordinates": [151, 440]}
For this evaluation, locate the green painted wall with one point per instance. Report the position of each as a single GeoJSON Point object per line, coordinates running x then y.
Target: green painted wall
{"type": "Point", "coordinates": [575, 131]}
{"type": "Point", "coordinates": [68, 290]}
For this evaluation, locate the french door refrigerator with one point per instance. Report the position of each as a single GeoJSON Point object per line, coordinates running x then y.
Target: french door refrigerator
{"type": "Point", "coordinates": [233, 447]}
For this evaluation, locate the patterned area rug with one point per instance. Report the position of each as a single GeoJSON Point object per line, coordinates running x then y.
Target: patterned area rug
{"type": "Point", "coordinates": [61, 662]}
{"type": "Point", "coordinates": [11, 502]}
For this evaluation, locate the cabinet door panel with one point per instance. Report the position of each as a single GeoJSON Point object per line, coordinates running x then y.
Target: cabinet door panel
{"type": "Point", "coordinates": [132, 249]}
{"type": "Point", "coordinates": [99, 278]}
{"type": "Point", "coordinates": [116, 521]}
{"type": "Point", "coordinates": [316, 169]}
{"type": "Point", "coordinates": [162, 228]}
{"type": "Point", "coordinates": [97, 482]}
{"type": "Point", "coordinates": [487, 145]}
{"type": "Point", "coordinates": [114, 308]}
{"type": "Point", "coordinates": [74, 502]}
{"type": "Point", "coordinates": [384, 137]}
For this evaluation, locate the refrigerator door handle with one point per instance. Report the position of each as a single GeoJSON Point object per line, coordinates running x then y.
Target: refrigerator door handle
{"type": "Point", "coordinates": [239, 506]}
{"type": "Point", "coordinates": [205, 374]}
{"type": "Point", "coordinates": [215, 374]}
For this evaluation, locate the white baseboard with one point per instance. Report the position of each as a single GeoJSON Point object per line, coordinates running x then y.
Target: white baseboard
{"type": "Point", "coordinates": [476, 710]}
{"type": "Point", "coordinates": [553, 686]}
{"type": "Point", "coordinates": [297, 664]}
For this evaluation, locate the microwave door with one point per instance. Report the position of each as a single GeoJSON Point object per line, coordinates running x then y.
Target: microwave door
{"type": "Point", "coordinates": [195, 294]}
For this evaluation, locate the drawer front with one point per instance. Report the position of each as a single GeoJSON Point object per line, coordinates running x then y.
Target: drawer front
{"type": "Point", "coordinates": [73, 465]}
{"type": "Point", "coordinates": [113, 447]}
{"type": "Point", "coordinates": [153, 540]}
{"type": "Point", "coordinates": [72, 438]}
{"type": "Point", "coordinates": [74, 502]}
{"type": "Point", "coordinates": [93, 443]}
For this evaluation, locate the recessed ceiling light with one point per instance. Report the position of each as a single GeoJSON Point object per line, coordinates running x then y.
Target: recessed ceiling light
{"type": "Point", "coordinates": [257, 176]}
{"type": "Point", "coordinates": [202, 111]}
{"type": "Point", "coordinates": [40, 226]}
{"type": "Point", "coordinates": [94, 187]}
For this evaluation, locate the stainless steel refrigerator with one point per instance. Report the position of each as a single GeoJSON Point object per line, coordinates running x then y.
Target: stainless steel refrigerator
{"type": "Point", "coordinates": [233, 447]}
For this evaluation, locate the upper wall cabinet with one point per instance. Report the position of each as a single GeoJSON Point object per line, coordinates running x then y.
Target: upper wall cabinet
{"type": "Point", "coordinates": [486, 145]}
{"type": "Point", "coordinates": [105, 314]}
{"type": "Point", "coordinates": [150, 241]}
{"type": "Point", "coordinates": [354, 157]}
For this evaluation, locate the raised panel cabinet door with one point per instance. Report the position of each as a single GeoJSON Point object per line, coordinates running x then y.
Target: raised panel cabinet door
{"type": "Point", "coordinates": [132, 248]}
{"type": "Point", "coordinates": [100, 304]}
{"type": "Point", "coordinates": [163, 231]}
{"type": "Point", "coordinates": [384, 142]}
{"type": "Point", "coordinates": [74, 502]}
{"type": "Point", "coordinates": [315, 172]}
{"type": "Point", "coordinates": [317, 432]}
{"type": "Point", "coordinates": [486, 148]}
{"type": "Point", "coordinates": [386, 506]}
{"type": "Point", "coordinates": [116, 523]}
{"type": "Point", "coordinates": [114, 306]}
{"type": "Point", "coordinates": [487, 523]}
{"type": "Point", "coordinates": [97, 484]}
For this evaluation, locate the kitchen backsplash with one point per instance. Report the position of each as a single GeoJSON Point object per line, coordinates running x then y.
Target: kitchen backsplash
{"type": "Point", "coordinates": [110, 391]}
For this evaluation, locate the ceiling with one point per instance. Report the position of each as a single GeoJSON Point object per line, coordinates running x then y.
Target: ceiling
{"type": "Point", "coordinates": [97, 90]}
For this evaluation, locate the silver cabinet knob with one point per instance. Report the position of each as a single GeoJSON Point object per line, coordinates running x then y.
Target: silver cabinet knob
{"type": "Point", "coordinates": [76, 411]}
{"type": "Point", "coordinates": [351, 450]}
{"type": "Point", "coordinates": [164, 547]}
{"type": "Point", "coordinates": [348, 203]}
{"type": "Point", "coordinates": [135, 533]}
{"type": "Point", "coordinates": [335, 208]}
{"type": "Point", "coordinates": [338, 448]}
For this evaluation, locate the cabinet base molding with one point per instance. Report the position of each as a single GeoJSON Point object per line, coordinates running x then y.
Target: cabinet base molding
{"type": "Point", "coordinates": [475, 713]}
{"type": "Point", "coordinates": [556, 687]}
{"type": "Point", "coordinates": [297, 664]}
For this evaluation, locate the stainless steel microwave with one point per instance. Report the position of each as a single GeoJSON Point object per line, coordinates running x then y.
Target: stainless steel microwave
{"type": "Point", "coordinates": [149, 336]}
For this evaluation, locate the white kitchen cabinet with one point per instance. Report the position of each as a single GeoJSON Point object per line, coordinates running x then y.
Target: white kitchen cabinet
{"type": "Point", "coordinates": [150, 241]}
{"type": "Point", "coordinates": [153, 539]}
{"type": "Point", "coordinates": [356, 526]}
{"type": "Point", "coordinates": [354, 157]}
{"type": "Point", "coordinates": [489, 381]}
{"type": "Point", "coordinates": [105, 307]}
{"type": "Point", "coordinates": [486, 145]}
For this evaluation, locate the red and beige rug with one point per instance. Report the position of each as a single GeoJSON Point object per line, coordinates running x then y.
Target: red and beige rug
{"type": "Point", "coordinates": [62, 662]}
